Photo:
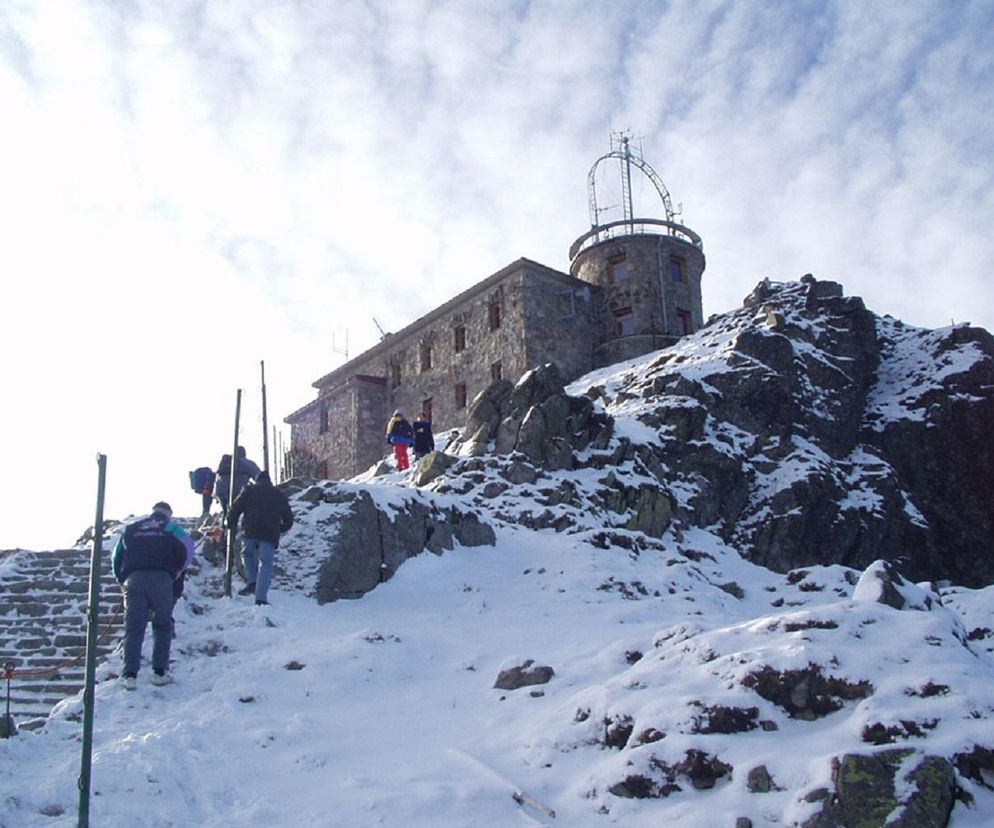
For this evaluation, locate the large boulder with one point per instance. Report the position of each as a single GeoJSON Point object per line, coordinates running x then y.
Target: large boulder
{"type": "Point", "coordinates": [361, 543]}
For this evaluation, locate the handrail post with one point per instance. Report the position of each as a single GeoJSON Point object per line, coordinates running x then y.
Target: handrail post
{"type": "Point", "coordinates": [92, 626]}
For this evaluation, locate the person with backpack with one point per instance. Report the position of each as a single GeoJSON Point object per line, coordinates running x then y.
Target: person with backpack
{"type": "Point", "coordinates": [202, 482]}
{"type": "Point", "coordinates": [266, 514]}
{"type": "Point", "coordinates": [424, 440]}
{"type": "Point", "coordinates": [150, 554]}
{"type": "Point", "coordinates": [245, 470]}
{"type": "Point", "coordinates": [400, 434]}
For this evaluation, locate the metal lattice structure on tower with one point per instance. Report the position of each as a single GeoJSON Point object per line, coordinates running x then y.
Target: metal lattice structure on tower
{"type": "Point", "coordinates": [622, 151]}
{"type": "Point", "coordinates": [627, 157]}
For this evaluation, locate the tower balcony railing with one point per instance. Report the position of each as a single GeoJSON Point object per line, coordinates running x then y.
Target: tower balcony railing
{"type": "Point", "coordinates": [633, 227]}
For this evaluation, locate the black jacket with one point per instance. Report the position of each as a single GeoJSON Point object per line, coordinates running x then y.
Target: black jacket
{"type": "Point", "coordinates": [266, 511]}
{"type": "Point", "coordinates": [424, 442]}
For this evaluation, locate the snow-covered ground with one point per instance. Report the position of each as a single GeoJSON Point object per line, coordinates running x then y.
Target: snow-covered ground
{"type": "Point", "coordinates": [382, 711]}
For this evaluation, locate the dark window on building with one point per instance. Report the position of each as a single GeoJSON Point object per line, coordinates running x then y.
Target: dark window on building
{"type": "Point", "coordinates": [323, 470]}
{"type": "Point", "coordinates": [395, 374]}
{"type": "Point", "coordinates": [624, 322]}
{"type": "Point", "coordinates": [686, 321]}
{"type": "Point", "coordinates": [426, 409]}
{"type": "Point", "coordinates": [496, 371]}
{"type": "Point", "coordinates": [494, 315]}
{"type": "Point", "coordinates": [323, 422]}
{"type": "Point", "coordinates": [619, 270]}
{"type": "Point", "coordinates": [460, 336]}
{"type": "Point", "coordinates": [676, 268]}
{"type": "Point", "coordinates": [461, 395]}
{"type": "Point", "coordinates": [425, 356]}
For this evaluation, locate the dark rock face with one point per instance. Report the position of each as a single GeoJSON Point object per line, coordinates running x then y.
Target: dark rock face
{"type": "Point", "coordinates": [365, 544]}
{"type": "Point", "coordinates": [524, 675]}
{"type": "Point", "coordinates": [813, 432]}
{"type": "Point", "coordinates": [865, 792]}
{"type": "Point", "coordinates": [698, 768]}
{"type": "Point", "coordinates": [805, 694]}
{"type": "Point", "coordinates": [536, 418]}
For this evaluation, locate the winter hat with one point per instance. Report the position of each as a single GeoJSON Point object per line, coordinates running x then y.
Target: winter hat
{"type": "Point", "coordinates": [164, 508]}
{"type": "Point", "coordinates": [398, 413]}
{"type": "Point", "coordinates": [263, 477]}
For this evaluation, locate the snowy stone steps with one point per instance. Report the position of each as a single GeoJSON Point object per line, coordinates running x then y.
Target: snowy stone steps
{"type": "Point", "coordinates": [43, 600]}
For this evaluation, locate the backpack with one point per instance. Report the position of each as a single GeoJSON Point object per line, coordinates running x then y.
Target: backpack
{"type": "Point", "coordinates": [201, 478]}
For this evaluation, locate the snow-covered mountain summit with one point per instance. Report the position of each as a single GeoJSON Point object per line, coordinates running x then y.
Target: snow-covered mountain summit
{"type": "Point", "coordinates": [567, 612]}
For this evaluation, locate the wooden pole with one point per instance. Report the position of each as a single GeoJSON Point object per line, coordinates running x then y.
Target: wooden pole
{"type": "Point", "coordinates": [92, 626]}
{"type": "Point", "coordinates": [265, 424]}
{"type": "Point", "coordinates": [229, 564]}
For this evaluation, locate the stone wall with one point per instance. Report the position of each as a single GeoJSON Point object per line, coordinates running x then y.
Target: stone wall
{"type": "Point", "coordinates": [637, 279]}
{"type": "Point", "coordinates": [341, 431]}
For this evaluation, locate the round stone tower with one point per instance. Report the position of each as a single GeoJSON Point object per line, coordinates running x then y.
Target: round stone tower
{"type": "Point", "coordinates": [648, 269]}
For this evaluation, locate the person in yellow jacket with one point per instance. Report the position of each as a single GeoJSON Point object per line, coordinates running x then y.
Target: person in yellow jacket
{"type": "Point", "coordinates": [400, 434]}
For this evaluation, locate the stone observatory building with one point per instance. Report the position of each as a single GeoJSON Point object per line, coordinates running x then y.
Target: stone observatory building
{"type": "Point", "coordinates": [634, 286]}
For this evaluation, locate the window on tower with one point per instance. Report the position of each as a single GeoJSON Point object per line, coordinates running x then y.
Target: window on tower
{"type": "Point", "coordinates": [496, 371]}
{"type": "Point", "coordinates": [460, 338]}
{"type": "Point", "coordinates": [395, 374]}
{"type": "Point", "coordinates": [677, 266]}
{"type": "Point", "coordinates": [494, 315]}
{"type": "Point", "coordinates": [686, 321]}
{"type": "Point", "coordinates": [624, 322]}
{"type": "Point", "coordinates": [425, 356]}
{"type": "Point", "coordinates": [461, 395]}
{"type": "Point", "coordinates": [619, 270]}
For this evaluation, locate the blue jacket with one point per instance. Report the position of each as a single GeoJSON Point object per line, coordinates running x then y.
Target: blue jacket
{"type": "Point", "coordinates": [399, 431]}
{"type": "Point", "coordinates": [154, 542]}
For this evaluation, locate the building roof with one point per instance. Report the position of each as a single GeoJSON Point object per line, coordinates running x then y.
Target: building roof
{"type": "Point", "coordinates": [353, 365]}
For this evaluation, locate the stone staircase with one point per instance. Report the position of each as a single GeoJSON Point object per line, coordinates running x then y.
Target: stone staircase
{"type": "Point", "coordinates": [43, 601]}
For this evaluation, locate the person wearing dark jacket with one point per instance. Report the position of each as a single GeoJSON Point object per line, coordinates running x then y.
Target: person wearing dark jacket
{"type": "Point", "coordinates": [150, 554]}
{"type": "Point", "coordinates": [245, 470]}
{"type": "Point", "coordinates": [266, 514]}
{"type": "Point", "coordinates": [424, 441]}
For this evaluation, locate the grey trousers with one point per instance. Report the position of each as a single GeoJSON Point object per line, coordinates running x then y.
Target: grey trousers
{"type": "Point", "coordinates": [144, 590]}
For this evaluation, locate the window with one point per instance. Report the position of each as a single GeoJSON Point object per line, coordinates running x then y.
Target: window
{"type": "Point", "coordinates": [461, 395]}
{"type": "Point", "coordinates": [395, 374]}
{"type": "Point", "coordinates": [323, 470]}
{"type": "Point", "coordinates": [425, 356]}
{"type": "Point", "coordinates": [624, 322]}
{"type": "Point", "coordinates": [426, 409]}
{"type": "Point", "coordinates": [460, 336]}
{"type": "Point", "coordinates": [494, 315]}
{"type": "Point", "coordinates": [323, 422]}
{"type": "Point", "coordinates": [619, 270]}
{"type": "Point", "coordinates": [676, 268]}
{"type": "Point", "coordinates": [686, 321]}
{"type": "Point", "coordinates": [496, 371]}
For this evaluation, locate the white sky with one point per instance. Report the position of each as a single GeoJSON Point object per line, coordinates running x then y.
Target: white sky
{"type": "Point", "coordinates": [189, 188]}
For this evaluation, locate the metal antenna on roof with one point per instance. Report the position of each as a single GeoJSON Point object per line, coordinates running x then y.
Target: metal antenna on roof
{"type": "Point", "coordinates": [379, 327]}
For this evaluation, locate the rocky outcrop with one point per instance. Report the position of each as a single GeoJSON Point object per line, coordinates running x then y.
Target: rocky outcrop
{"type": "Point", "coordinates": [802, 427]}
{"type": "Point", "coordinates": [362, 543]}
{"type": "Point", "coordinates": [535, 418]}
{"type": "Point", "coordinates": [866, 791]}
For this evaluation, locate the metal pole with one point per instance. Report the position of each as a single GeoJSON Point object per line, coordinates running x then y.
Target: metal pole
{"type": "Point", "coordinates": [276, 454]}
{"type": "Point", "coordinates": [229, 563]}
{"type": "Point", "coordinates": [265, 424]}
{"type": "Point", "coordinates": [92, 626]}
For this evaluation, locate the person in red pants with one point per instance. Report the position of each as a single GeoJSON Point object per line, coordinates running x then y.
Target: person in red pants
{"type": "Point", "coordinates": [400, 434]}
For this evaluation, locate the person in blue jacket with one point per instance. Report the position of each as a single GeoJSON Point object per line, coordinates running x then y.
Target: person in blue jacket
{"type": "Point", "coordinates": [400, 435]}
{"type": "Point", "coordinates": [150, 554]}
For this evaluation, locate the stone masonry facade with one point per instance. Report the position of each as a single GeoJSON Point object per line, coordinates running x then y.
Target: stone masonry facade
{"type": "Point", "coordinates": [627, 295]}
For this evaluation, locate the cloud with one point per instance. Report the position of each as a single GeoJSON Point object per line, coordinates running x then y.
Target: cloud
{"type": "Point", "coordinates": [192, 187]}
